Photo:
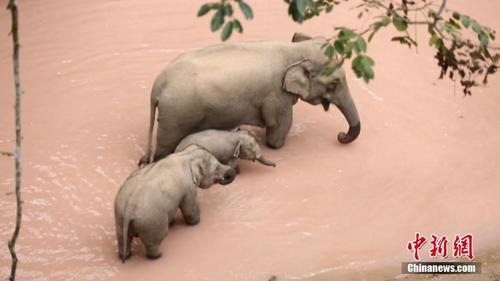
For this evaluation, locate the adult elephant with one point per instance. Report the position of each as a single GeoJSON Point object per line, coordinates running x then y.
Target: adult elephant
{"type": "Point", "coordinates": [224, 86]}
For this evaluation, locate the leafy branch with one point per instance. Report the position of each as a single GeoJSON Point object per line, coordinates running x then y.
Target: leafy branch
{"type": "Point", "coordinates": [462, 45]}
{"type": "Point", "coordinates": [224, 14]}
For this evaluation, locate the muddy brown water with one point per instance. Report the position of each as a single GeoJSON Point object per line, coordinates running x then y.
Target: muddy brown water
{"type": "Point", "coordinates": [427, 158]}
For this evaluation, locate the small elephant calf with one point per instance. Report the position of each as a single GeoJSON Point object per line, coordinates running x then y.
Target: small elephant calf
{"type": "Point", "coordinates": [227, 146]}
{"type": "Point", "coordinates": [148, 200]}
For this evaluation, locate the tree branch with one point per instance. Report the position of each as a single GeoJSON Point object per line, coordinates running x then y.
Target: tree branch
{"type": "Point", "coordinates": [441, 8]}
{"type": "Point", "coordinates": [12, 6]}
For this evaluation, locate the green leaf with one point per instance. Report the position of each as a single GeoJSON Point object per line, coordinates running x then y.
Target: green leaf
{"type": "Point", "coordinates": [217, 20]}
{"type": "Point", "coordinates": [368, 73]}
{"type": "Point", "coordinates": [362, 67]}
{"type": "Point", "coordinates": [301, 6]}
{"type": "Point", "coordinates": [329, 8]}
{"type": "Point", "coordinates": [456, 15]}
{"type": "Point", "coordinates": [404, 40]}
{"type": "Point", "coordinates": [245, 9]}
{"type": "Point", "coordinates": [348, 50]}
{"type": "Point", "coordinates": [327, 71]}
{"type": "Point", "coordinates": [330, 69]}
{"type": "Point", "coordinates": [346, 34]}
{"type": "Point", "coordinates": [465, 21]}
{"type": "Point", "coordinates": [228, 10]}
{"type": "Point", "coordinates": [430, 29]}
{"type": "Point", "coordinates": [339, 47]}
{"type": "Point", "coordinates": [436, 41]}
{"type": "Point", "coordinates": [400, 23]}
{"type": "Point", "coordinates": [360, 45]}
{"type": "Point", "coordinates": [476, 27]}
{"type": "Point", "coordinates": [483, 37]}
{"type": "Point", "coordinates": [226, 32]}
{"type": "Point", "coordinates": [369, 61]}
{"type": "Point", "coordinates": [237, 25]}
{"type": "Point", "coordinates": [329, 51]}
{"type": "Point", "coordinates": [385, 21]}
{"type": "Point", "coordinates": [433, 14]}
{"type": "Point", "coordinates": [204, 9]}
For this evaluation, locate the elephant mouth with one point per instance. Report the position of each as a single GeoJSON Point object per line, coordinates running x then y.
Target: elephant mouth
{"type": "Point", "coordinates": [326, 104]}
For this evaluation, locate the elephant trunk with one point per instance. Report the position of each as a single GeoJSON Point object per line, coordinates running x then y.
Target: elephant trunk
{"type": "Point", "coordinates": [228, 177]}
{"type": "Point", "coordinates": [266, 162]}
{"type": "Point", "coordinates": [348, 109]}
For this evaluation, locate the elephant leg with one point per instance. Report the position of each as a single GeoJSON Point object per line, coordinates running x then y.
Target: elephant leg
{"type": "Point", "coordinates": [278, 124]}
{"type": "Point", "coordinates": [167, 140]}
{"type": "Point", "coordinates": [153, 250]}
{"type": "Point", "coordinates": [152, 230]}
{"type": "Point", "coordinates": [152, 241]}
{"type": "Point", "coordinates": [190, 210]}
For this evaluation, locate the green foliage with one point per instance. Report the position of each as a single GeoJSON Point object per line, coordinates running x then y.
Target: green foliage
{"type": "Point", "coordinates": [217, 20]}
{"type": "Point", "coordinates": [363, 67]}
{"type": "Point", "coordinates": [224, 14]}
{"type": "Point", "coordinates": [405, 40]}
{"type": "Point", "coordinates": [400, 23]}
{"type": "Point", "coordinates": [349, 43]}
{"type": "Point", "coordinates": [301, 10]}
{"type": "Point", "coordinates": [245, 9]}
{"type": "Point", "coordinates": [376, 26]}
{"type": "Point", "coordinates": [458, 56]}
{"type": "Point", "coordinates": [226, 32]}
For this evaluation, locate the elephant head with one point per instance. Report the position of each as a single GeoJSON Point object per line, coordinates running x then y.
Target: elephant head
{"type": "Point", "coordinates": [304, 79]}
{"type": "Point", "coordinates": [207, 170]}
{"type": "Point", "coordinates": [247, 148]}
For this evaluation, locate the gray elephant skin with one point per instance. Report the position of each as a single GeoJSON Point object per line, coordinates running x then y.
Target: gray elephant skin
{"type": "Point", "coordinates": [253, 83]}
{"type": "Point", "coordinates": [148, 200]}
{"type": "Point", "coordinates": [227, 146]}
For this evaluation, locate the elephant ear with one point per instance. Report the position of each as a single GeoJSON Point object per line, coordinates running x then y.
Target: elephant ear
{"type": "Point", "coordinates": [196, 171]}
{"type": "Point", "coordinates": [299, 37]}
{"type": "Point", "coordinates": [236, 152]}
{"type": "Point", "coordinates": [297, 79]}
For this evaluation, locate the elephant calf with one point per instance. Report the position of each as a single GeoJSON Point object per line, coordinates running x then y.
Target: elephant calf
{"type": "Point", "coordinates": [227, 146]}
{"type": "Point", "coordinates": [148, 200]}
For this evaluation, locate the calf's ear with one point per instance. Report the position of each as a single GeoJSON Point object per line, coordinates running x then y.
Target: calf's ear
{"type": "Point", "coordinates": [196, 172]}
{"type": "Point", "coordinates": [236, 152]}
{"type": "Point", "coordinates": [299, 37]}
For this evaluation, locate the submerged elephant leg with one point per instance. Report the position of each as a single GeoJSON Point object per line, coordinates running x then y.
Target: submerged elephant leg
{"type": "Point", "coordinates": [190, 209]}
{"type": "Point", "coordinates": [152, 230]}
{"type": "Point", "coordinates": [278, 125]}
{"type": "Point", "coordinates": [166, 141]}
{"type": "Point", "coordinates": [152, 242]}
{"type": "Point", "coordinates": [153, 250]}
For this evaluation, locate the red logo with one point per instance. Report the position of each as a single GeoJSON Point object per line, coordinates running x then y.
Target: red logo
{"type": "Point", "coordinates": [462, 246]}
{"type": "Point", "coordinates": [439, 247]}
{"type": "Point", "coordinates": [415, 245]}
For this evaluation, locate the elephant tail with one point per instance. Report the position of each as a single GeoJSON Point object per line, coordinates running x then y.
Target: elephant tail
{"type": "Point", "coordinates": [126, 222]}
{"type": "Point", "coordinates": [146, 159]}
